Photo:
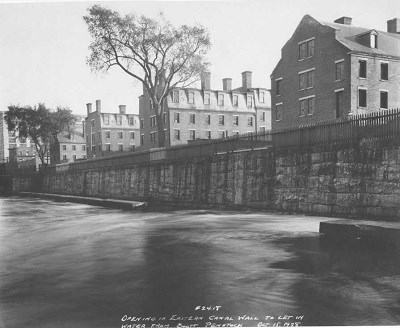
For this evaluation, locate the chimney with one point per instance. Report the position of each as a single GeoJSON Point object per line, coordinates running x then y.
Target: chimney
{"type": "Point", "coordinates": [89, 108]}
{"type": "Point", "coordinates": [393, 25]}
{"type": "Point", "coordinates": [343, 20]}
{"type": "Point", "coordinates": [246, 80]}
{"type": "Point", "coordinates": [122, 109]}
{"type": "Point", "coordinates": [98, 106]}
{"type": "Point", "coordinates": [227, 84]}
{"type": "Point", "coordinates": [205, 81]}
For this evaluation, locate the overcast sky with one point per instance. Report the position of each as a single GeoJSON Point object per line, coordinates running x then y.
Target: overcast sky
{"type": "Point", "coordinates": [43, 46]}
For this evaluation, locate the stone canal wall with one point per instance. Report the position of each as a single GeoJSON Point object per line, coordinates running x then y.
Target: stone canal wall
{"type": "Point", "coordinates": [361, 180]}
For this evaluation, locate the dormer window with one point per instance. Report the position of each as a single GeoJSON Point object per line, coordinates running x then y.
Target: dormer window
{"type": "Point", "coordinates": [373, 40]}
{"type": "Point", "coordinates": [175, 96]}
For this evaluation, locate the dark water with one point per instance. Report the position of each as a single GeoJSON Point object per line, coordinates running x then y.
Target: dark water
{"type": "Point", "coordinates": [73, 265]}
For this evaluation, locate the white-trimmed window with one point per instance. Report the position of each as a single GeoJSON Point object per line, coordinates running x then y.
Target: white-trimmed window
{"type": "Point", "coordinates": [192, 134]}
{"type": "Point", "coordinates": [152, 136]}
{"type": "Point", "coordinates": [192, 118]}
{"type": "Point", "coordinates": [141, 123]}
{"type": "Point", "coordinates": [362, 97]}
{"type": "Point", "coordinates": [235, 119]}
{"type": "Point", "coordinates": [222, 134]}
{"type": "Point", "coordinates": [250, 121]}
{"type": "Point", "coordinates": [206, 98]}
{"type": "Point", "coordinates": [278, 86]}
{"type": "Point", "coordinates": [262, 117]}
{"type": "Point", "coordinates": [132, 147]}
{"type": "Point", "coordinates": [106, 120]}
{"type": "Point", "coordinates": [221, 119]}
{"type": "Point", "coordinates": [131, 120]}
{"type": "Point", "coordinates": [220, 99]}
{"type": "Point", "coordinates": [208, 119]}
{"type": "Point", "coordinates": [64, 157]}
{"type": "Point", "coordinates": [73, 147]}
{"type": "Point", "coordinates": [235, 100]}
{"type": "Point", "coordinates": [93, 149]}
{"type": "Point", "coordinates": [384, 71]}
{"type": "Point", "coordinates": [384, 99]}
{"type": "Point", "coordinates": [64, 147]}
{"type": "Point", "coordinates": [307, 106]}
{"type": "Point", "coordinates": [177, 134]}
{"type": "Point", "coordinates": [306, 49]}
{"type": "Point", "coordinates": [339, 70]}
{"type": "Point", "coordinates": [175, 96]}
{"type": "Point", "coordinates": [250, 101]}
{"type": "Point", "coordinates": [120, 135]}
{"type": "Point", "coordinates": [165, 135]}
{"type": "Point", "coordinates": [362, 68]}
{"type": "Point", "coordinates": [142, 139]}
{"type": "Point", "coordinates": [278, 112]}
{"type": "Point", "coordinates": [120, 147]}
{"type": "Point", "coordinates": [108, 147]}
{"type": "Point", "coordinates": [118, 120]}
{"type": "Point", "coordinates": [262, 97]}
{"type": "Point", "coordinates": [107, 134]}
{"type": "Point", "coordinates": [306, 79]}
{"type": "Point", "coordinates": [191, 97]}
{"type": "Point", "coordinates": [164, 115]}
{"type": "Point", "coordinates": [153, 120]}
{"type": "Point", "coordinates": [176, 117]}
{"type": "Point", "coordinates": [208, 134]}
{"type": "Point", "coordinates": [132, 134]}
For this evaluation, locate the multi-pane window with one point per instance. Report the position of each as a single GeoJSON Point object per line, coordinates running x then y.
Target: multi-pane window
{"type": "Point", "coordinates": [206, 98]}
{"type": "Point", "coordinates": [384, 100]}
{"type": "Point", "coordinates": [220, 99]}
{"type": "Point", "coordinates": [152, 137]}
{"type": "Point", "coordinates": [191, 97]}
{"type": "Point", "coordinates": [132, 134]}
{"type": "Point", "coordinates": [278, 87]}
{"type": "Point", "coordinates": [176, 118]}
{"type": "Point", "coordinates": [142, 139]}
{"type": "Point", "coordinates": [307, 106]}
{"type": "Point", "coordinates": [235, 100]}
{"type": "Point", "coordinates": [339, 71]}
{"type": "Point", "coordinates": [165, 135]}
{"type": "Point", "coordinates": [118, 120]}
{"type": "Point", "coordinates": [208, 119]}
{"type": "Point", "coordinates": [235, 120]}
{"type": "Point", "coordinates": [141, 123]}
{"type": "Point", "coordinates": [83, 147]}
{"type": "Point", "coordinates": [175, 96]}
{"type": "Point", "coordinates": [120, 147]}
{"type": "Point", "coordinates": [107, 134]}
{"type": "Point", "coordinates": [249, 101]}
{"type": "Point", "coordinates": [262, 117]}
{"type": "Point", "coordinates": [106, 120]}
{"type": "Point", "coordinates": [261, 97]}
{"type": "Point", "coordinates": [278, 112]}
{"type": "Point", "coordinates": [208, 134]}
{"type": "Point", "coordinates": [306, 49]}
{"type": "Point", "coordinates": [306, 80]}
{"type": "Point", "coordinates": [177, 134]}
{"type": "Point", "coordinates": [131, 120]}
{"type": "Point", "coordinates": [221, 119]}
{"type": "Point", "coordinates": [108, 147]}
{"type": "Point", "coordinates": [362, 68]}
{"type": "Point", "coordinates": [222, 134]}
{"type": "Point", "coordinates": [132, 147]}
{"type": "Point", "coordinates": [153, 121]}
{"type": "Point", "coordinates": [192, 134]}
{"type": "Point", "coordinates": [120, 134]}
{"type": "Point", "coordinates": [250, 121]}
{"type": "Point", "coordinates": [384, 71]}
{"type": "Point", "coordinates": [64, 147]}
{"type": "Point", "coordinates": [262, 129]}
{"type": "Point", "coordinates": [192, 118]}
{"type": "Point", "coordinates": [73, 147]}
{"type": "Point", "coordinates": [362, 97]}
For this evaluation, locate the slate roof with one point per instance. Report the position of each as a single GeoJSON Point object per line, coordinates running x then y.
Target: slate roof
{"type": "Point", "coordinates": [388, 43]}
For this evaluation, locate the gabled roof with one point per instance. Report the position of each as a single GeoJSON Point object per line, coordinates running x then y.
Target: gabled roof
{"type": "Point", "coordinates": [347, 35]}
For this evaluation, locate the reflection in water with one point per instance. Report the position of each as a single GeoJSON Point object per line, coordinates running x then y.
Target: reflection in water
{"type": "Point", "coordinates": [73, 265]}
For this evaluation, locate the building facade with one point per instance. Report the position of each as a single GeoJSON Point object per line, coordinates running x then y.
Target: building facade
{"type": "Point", "coordinates": [69, 146]}
{"type": "Point", "coordinates": [193, 114]}
{"type": "Point", "coordinates": [110, 133]}
{"type": "Point", "coordinates": [328, 71]}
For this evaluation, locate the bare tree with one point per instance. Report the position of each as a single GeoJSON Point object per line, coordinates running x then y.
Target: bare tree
{"type": "Point", "coordinates": [151, 51]}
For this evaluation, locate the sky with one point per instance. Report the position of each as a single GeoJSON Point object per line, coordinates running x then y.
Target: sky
{"type": "Point", "coordinates": [44, 45]}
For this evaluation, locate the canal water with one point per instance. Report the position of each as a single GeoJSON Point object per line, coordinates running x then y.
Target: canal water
{"type": "Point", "coordinates": [74, 265]}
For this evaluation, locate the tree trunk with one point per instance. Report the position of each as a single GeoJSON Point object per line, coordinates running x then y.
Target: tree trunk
{"type": "Point", "coordinates": [160, 127]}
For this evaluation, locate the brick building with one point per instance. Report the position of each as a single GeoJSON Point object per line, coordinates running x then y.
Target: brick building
{"type": "Point", "coordinates": [328, 71]}
{"type": "Point", "coordinates": [192, 114]}
{"type": "Point", "coordinates": [69, 146]}
{"type": "Point", "coordinates": [110, 133]}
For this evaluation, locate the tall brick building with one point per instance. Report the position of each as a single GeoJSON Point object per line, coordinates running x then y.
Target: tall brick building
{"type": "Point", "coordinates": [328, 71]}
{"type": "Point", "coordinates": [110, 133]}
{"type": "Point", "coordinates": [69, 146]}
{"type": "Point", "coordinates": [192, 114]}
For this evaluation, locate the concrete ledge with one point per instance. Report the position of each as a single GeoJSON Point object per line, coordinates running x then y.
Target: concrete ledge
{"type": "Point", "coordinates": [367, 231]}
{"type": "Point", "coordinates": [116, 203]}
